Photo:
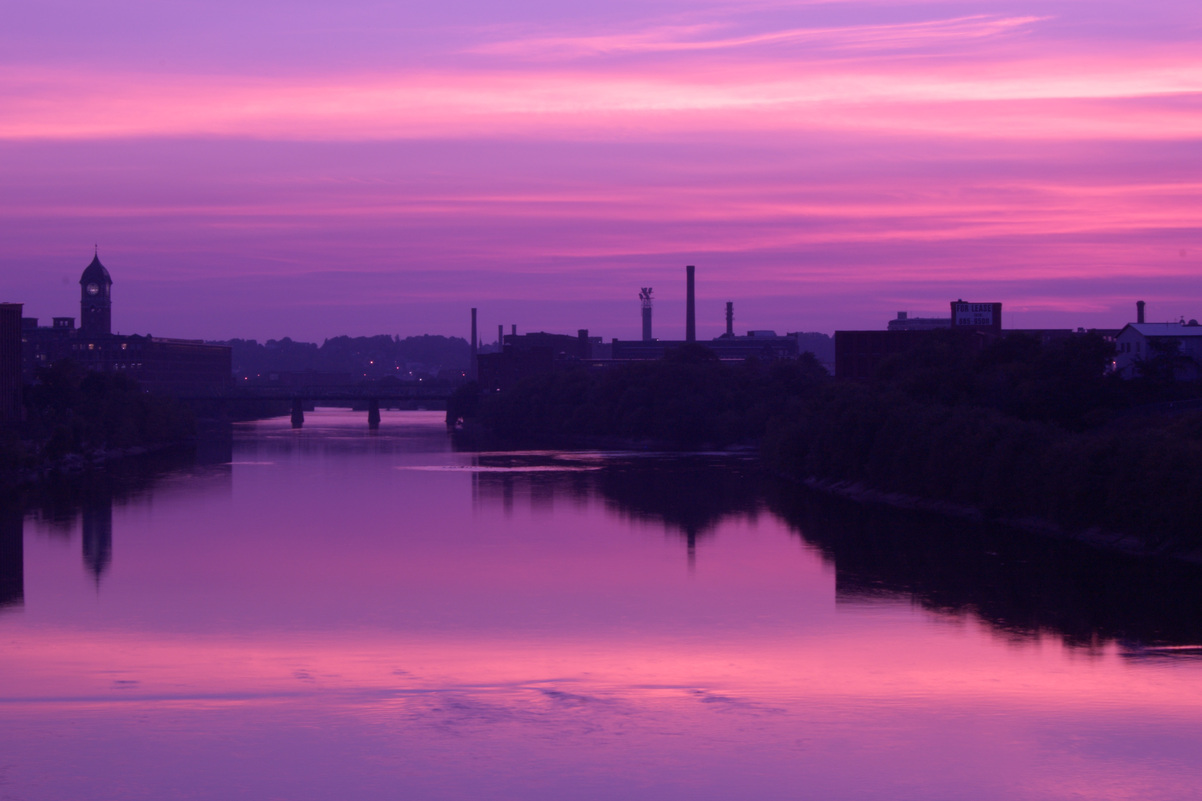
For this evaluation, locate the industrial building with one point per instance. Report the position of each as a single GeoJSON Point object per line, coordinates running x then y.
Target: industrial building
{"type": "Point", "coordinates": [10, 363]}
{"type": "Point", "coordinates": [160, 365]}
{"type": "Point", "coordinates": [764, 345]}
{"type": "Point", "coordinates": [522, 355]}
{"type": "Point", "coordinates": [858, 354]}
{"type": "Point", "coordinates": [530, 354]}
{"type": "Point", "coordinates": [904, 322]}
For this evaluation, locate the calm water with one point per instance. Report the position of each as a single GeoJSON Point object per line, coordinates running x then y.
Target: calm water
{"type": "Point", "coordinates": [329, 614]}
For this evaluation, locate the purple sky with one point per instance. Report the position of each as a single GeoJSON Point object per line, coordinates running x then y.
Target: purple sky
{"type": "Point", "coordinates": [313, 169]}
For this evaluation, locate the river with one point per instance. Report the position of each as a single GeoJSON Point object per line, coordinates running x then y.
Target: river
{"type": "Point", "coordinates": [333, 613]}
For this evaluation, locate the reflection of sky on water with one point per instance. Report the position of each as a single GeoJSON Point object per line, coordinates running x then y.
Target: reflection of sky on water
{"type": "Point", "coordinates": [319, 624]}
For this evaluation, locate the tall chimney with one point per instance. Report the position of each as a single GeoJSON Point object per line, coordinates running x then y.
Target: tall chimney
{"type": "Point", "coordinates": [730, 318]}
{"type": "Point", "coordinates": [645, 297]}
{"type": "Point", "coordinates": [1139, 311]}
{"type": "Point", "coordinates": [500, 335]}
{"type": "Point", "coordinates": [472, 373]}
{"type": "Point", "coordinates": [513, 329]}
{"type": "Point", "coordinates": [690, 317]}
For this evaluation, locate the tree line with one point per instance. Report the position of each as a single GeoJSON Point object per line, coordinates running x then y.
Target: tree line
{"type": "Point", "coordinates": [687, 400]}
{"type": "Point", "coordinates": [1016, 429]}
{"type": "Point", "coordinates": [73, 412]}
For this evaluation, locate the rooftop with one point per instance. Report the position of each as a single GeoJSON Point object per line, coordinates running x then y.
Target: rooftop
{"type": "Point", "coordinates": [95, 273]}
{"type": "Point", "coordinates": [1181, 329]}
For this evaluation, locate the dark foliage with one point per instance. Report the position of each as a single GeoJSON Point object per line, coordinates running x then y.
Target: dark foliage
{"type": "Point", "coordinates": [688, 400]}
{"type": "Point", "coordinates": [1065, 381]}
{"type": "Point", "coordinates": [1020, 428]}
{"type": "Point", "coordinates": [71, 410]}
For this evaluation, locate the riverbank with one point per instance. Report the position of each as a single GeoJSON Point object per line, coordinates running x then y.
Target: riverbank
{"type": "Point", "coordinates": [75, 464]}
{"type": "Point", "coordinates": [1094, 536]}
{"type": "Point", "coordinates": [77, 420]}
{"type": "Point", "coordinates": [1136, 488]}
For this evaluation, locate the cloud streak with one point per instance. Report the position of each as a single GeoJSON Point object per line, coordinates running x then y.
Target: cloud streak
{"type": "Point", "coordinates": [693, 38]}
{"type": "Point", "coordinates": [1040, 98]}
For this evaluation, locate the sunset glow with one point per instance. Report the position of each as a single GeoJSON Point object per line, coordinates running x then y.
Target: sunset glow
{"type": "Point", "coordinates": [311, 171]}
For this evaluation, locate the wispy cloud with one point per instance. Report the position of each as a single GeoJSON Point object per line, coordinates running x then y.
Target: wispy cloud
{"type": "Point", "coordinates": [1041, 98]}
{"type": "Point", "coordinates": [708, 37]}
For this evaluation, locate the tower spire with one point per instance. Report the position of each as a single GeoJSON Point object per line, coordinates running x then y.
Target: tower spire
{"type": "Point", "coordinates": [95, 299]}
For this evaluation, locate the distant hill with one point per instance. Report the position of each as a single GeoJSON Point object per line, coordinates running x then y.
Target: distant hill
{"type": "Point", "coordinates": [821, 345]}
{"type": "Point", "coordinates": [373, 357]}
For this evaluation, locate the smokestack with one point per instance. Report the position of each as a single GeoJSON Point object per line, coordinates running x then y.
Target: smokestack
{"type": "Point", "coordinates": [1139, 311]}
{"type": "Point", "coordinates": [645, 297]}
{"type": "Point", "coordinates": [513, 329]}
{"type": "Point", "coordinates": [500, 335]}
{"type": "Point", "coordinates": [690, 316]}
{"type": "Point", "coordinates": [730, 318]}
{"type": "Point", "coordinates": [471, 371]}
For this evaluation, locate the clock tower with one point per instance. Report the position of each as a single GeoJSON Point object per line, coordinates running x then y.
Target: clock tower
{"type": "Point", "coordinates": [95, 300]}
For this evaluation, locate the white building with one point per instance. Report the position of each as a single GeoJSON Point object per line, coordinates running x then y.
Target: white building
{"type": "Point", "coordinates": [1139, 342]}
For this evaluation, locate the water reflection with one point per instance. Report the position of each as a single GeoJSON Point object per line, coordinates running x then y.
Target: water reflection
{"type": "Point", "coordinates": [12, 556]}
{"type": "Point", "coordinates": [691, 498]}
{"type": "Point", "coordinates": [85, 501]}
{"type": "Point", "coordinates": [329, 433]}
{"type": "Point", "coordinates": [688, 497]}
{"type": "Point", "coordinates": [382, 617]}
{"type": "Point", "coordinates": [1023, 585]}
{"type": "Point", "coordinates": [97, 516]}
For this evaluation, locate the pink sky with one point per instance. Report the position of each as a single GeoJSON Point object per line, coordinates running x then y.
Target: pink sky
{"type": "Point", "coordinates": [313, 169]}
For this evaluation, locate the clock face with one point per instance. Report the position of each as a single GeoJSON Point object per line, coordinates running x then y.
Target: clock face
{"type": "Point", "coordinates": [93, 289]}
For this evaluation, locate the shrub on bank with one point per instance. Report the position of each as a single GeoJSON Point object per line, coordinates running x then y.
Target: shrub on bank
{"type": "Point", "coordinates": [72, 410]}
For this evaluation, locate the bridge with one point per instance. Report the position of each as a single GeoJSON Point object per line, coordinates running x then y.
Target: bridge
{"type": "Point", "coordinates": [370, 394]}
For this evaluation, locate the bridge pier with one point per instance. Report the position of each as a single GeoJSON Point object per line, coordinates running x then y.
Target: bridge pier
{"type": "Point", "coordinates": [298, 413]}
{"type": "Point", "coordinates": [373, 413]}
